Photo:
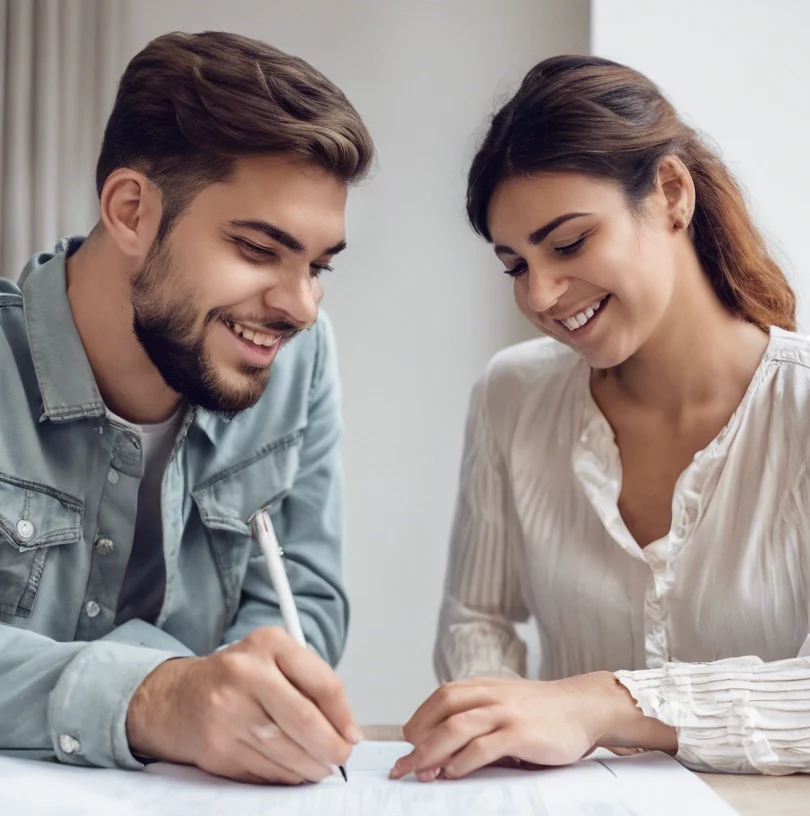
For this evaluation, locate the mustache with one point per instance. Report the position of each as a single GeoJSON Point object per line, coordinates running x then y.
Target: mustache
{"type": "Point", "coordinates": [283, 328]}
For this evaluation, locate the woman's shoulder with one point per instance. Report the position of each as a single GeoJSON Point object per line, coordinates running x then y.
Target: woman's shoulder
{"type": "Point", "coordinates": [789, 347]}
{"type": "Point", "coordinates": [524, 376]}
{"type": "Point", "coordinates": [528, 366]}
{"type": "Point", "coordinates": [789, 355]}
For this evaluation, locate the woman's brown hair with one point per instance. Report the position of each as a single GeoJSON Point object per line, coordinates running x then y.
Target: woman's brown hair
{"type": "Point", "coordinates": [593, 116]}
{"type": "Point", "coordinates": [188, 105]}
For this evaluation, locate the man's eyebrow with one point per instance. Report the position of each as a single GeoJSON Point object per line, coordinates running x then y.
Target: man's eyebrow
{"type": "Point", "coordinates": [283, 237]}
{"type": "Point", "coordinates": [276, 234]}
{"type": "Point", "coordinates": [540, 234]}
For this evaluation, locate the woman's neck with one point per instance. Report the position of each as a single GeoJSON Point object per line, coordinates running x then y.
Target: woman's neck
{"type": "Point", "coordinates": [700, 353]}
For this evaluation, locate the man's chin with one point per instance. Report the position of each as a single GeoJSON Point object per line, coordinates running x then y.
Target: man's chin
{"type": "Point", "coordinates": [236, 393]}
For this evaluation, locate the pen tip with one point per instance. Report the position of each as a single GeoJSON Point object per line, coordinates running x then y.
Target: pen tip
{"type": "Point", "coordinates": [343, 773]}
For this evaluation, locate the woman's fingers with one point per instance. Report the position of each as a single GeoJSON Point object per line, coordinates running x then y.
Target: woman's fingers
{"type": "Point", "coordinates": [479, 753]}
{"type": "Point", "coordinates": [448, 701]}
{"type": "Point", "coordinates": [446, 740]}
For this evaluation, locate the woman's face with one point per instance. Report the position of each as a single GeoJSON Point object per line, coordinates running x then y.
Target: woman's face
{"type": "Point", "coordinates": [587, 271]}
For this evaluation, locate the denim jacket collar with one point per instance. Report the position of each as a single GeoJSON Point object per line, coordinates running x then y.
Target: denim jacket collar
{"type": "Point", "coordinates": [66, 381]}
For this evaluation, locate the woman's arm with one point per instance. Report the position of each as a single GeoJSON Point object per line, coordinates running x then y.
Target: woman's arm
{"type": "Point", "coordinates": [482, 596]}
{"type": "Point", "coordinates": [738, 715]}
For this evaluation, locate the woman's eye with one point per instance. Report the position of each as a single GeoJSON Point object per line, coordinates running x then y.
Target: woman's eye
{"type": "Point", "coordinates": [316, 269]}
{"type": "Point", "coordinates": [570, 249]}
{"type": "Point", "coordinates": [517, 270]}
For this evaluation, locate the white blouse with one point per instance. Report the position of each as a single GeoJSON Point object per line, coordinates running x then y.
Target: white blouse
{"type": "Point", "coordinates": [705, 627]}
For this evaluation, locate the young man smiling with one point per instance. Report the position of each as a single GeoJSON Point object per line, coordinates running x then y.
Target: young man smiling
{"type": "Point", "coordinates": [141, 428]}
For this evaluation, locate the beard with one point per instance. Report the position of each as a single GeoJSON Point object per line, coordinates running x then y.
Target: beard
{"type": "Point", "coordinates": [165, 326]}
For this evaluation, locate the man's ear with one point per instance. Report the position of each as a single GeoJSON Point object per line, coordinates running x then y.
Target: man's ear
{"type": "Point", "coordinates": [131, 208]}
{"type": "Point", "coordinates": [675, 184]}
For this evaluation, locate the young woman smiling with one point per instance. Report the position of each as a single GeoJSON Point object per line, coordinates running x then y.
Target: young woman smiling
{"type": "Point", "coordinates": [637, 480]}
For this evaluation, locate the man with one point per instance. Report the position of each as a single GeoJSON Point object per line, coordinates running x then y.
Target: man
{"type": "Point", "coordinates": [141, 429]}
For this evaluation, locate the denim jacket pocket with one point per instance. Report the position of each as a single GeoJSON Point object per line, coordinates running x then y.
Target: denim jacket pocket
{"type": "Point", "coordinates": [227, 501]}
{"type": "Point", "coordinates": [33, 518]}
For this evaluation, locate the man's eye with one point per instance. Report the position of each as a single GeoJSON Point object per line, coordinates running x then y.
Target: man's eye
{"type": "Point", "coordinates": [253, 250]}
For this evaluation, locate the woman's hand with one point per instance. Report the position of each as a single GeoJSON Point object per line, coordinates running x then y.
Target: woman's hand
{"type": "Point", "coordinates": [468, 724]}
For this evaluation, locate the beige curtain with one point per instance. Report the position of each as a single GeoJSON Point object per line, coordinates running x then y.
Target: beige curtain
{"type": "Point", "coordinates": [59, 67]}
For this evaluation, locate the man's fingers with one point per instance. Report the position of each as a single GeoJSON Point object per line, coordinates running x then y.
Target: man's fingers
{"type": "Point", "coordinates": [256, 764]}
{"type": "Point", "coordinates": [315, 679]}
{"type": "Point", "coordinates": [446, 702]}
{"type": "Point", "coordinates": [269, 740]}
{"type": "Point", "coordinates": [301, 720]}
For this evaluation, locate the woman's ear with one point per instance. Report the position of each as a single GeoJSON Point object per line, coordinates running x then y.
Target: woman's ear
{"type": "Point", "coordinates": [678, 190]}
{"type": "Point", "coordinates": [130, 209]}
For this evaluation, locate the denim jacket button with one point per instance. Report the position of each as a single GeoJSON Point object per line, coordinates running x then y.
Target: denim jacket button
{"type": "Point", "coordinates": [68, 744]}
{"type": "Point", "coordinates": [25, 529]}
{"type": "Point", "coordinates": [104, 546]}
{"type": "Point", "coordinates": [92, 609]}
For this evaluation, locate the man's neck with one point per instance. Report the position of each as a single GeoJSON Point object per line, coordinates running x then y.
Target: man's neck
{"type": "Point", "coordinates": [98, 288]}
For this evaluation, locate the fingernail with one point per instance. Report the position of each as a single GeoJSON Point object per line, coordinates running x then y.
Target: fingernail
{"type": "Point", "coordinates": [355, 734]}
{"type": "Point", "coordinates": [449, 771]}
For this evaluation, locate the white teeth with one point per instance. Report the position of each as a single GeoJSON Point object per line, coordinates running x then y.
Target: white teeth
{"type": "Point", "coordinates": [255, 337]}
{"type": "Point", "coordinates": [578, 320]}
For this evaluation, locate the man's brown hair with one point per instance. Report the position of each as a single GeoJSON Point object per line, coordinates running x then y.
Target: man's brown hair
{"type": "Point", "coordinates": [188, 105]}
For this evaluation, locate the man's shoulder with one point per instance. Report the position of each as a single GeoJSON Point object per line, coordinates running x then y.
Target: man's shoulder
{"type": "Point", "coordinates": [10, 295]}
{"type": "Point", "coordinates": [283, 412]}
{"type": "Point", "coordinates": [12, 321]}
{"type": "Point", "coordinates": [300, 365]}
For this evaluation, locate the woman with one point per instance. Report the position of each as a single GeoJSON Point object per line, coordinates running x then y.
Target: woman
{"type": "Point", "coordinates": [638, 481]}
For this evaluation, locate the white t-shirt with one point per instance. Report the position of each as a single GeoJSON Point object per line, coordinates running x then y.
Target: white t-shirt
{"type": "Point", "coordinates": [538, 533]}
{"type": "Point", "coordinates": [145, 579]}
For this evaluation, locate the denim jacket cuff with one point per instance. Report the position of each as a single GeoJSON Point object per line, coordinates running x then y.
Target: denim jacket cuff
{"type": "Point", "coordinates": [87, 709]}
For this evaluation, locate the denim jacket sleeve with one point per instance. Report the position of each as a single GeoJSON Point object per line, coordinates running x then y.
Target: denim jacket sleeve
{"type": "Point", "coordinates": [70, 699]}
{"type": "Point", "coordinates": [309, 526]}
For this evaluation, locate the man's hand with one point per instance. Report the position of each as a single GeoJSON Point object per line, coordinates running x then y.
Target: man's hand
{"type": "Point", "coordinates": [262, 710]}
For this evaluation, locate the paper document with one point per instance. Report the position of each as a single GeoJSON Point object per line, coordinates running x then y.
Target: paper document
{"type": "Point", "coordinates": [603, 785]}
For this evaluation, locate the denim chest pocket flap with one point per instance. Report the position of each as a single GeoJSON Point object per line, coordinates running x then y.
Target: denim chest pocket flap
{"type": "Point", "coordinates": [227, 501]}
{"type": "Point", "coordinates": [33, 518]}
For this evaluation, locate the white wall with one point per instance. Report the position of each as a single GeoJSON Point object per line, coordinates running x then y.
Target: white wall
{"type": "Point", "coordinates": [738, 70]}
{"type": "Point", "coordinates": [418, 302]}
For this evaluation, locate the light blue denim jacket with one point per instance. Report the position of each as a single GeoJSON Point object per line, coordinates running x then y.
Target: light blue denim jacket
{"type": "Point", "coordinates": [69, 479]}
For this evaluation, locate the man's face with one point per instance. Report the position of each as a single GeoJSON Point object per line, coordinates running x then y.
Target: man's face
{"type": "Point", "coordinates": [237, 278]}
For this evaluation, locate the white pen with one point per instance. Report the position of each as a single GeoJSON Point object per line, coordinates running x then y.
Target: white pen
{"type": "Point", "coordinates": [271, 549]}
